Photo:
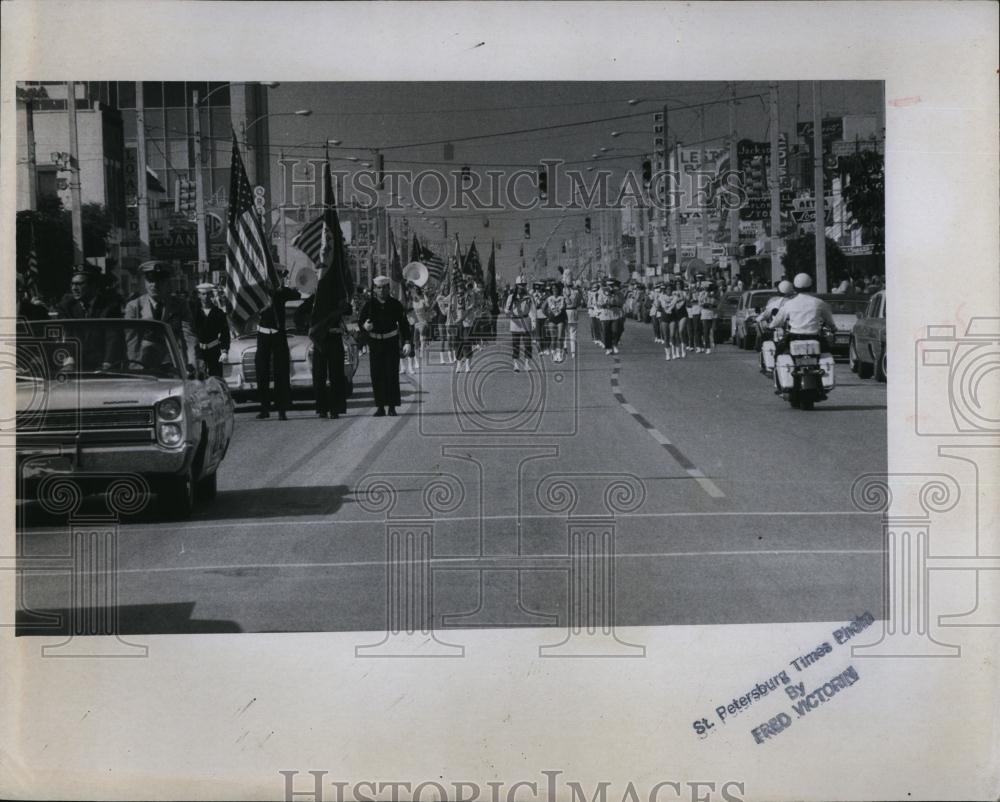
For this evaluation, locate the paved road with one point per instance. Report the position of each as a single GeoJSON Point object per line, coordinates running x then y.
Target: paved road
{"type": "Point", "coordinates": [720, 502]}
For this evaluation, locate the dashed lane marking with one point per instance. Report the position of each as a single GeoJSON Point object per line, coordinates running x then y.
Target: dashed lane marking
{"type": "Point", "coordinates": [689, 467]}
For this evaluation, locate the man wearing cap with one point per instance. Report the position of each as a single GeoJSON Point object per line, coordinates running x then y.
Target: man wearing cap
{"type": "Point", "coordinates": [384, 320]}
{"type": "Point", "coordinates": [156, 304]}
{"type": "Point", "coordinates": [593, 312]}
{"type": "Point", "coordinates": [803, 316]}
{"type": "Point", "coordinates": [211, 331]}
{"type": "Point", "coordinates": [574, 300]}
{"type": "Point", "coordinates": [326, 331]}
{"type": "Point", "coordinates": [272, 357]}
{"type": "Point", "coordinates": [520, 308]}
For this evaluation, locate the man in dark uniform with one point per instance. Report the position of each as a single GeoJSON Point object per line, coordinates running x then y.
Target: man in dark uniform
{"type": "Point", "coordinates": [211, 331]}
{"type": "Point", "coordinates": [157, 304]}
{"type": "Point", "coordinates": [272, 356]}
{"type": "Point", "coordinates": [327, 335]}
{"type": "Point", "coordinates": [384, 320]}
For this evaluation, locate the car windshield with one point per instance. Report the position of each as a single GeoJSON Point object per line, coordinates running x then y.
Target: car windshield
{"type": "Point", "coordinates": [68, 349]}
{"type": "Point", "coordinates": [846, 306]}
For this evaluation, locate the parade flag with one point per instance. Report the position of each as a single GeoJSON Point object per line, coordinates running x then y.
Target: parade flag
{"type": "Point", "coordinates": [415, 252]}
{"type": "Point", "coordinates": [250, 273]}
{"type": "Point", "coordinates": [435, 264]}
{"type": "Point", "coordinates": [336, 285]}
{"type": "Point", "coordinates": [491, 272]}
{"type": "Point", "coordinates": [472, 266]}
{"type": "Point", "coordinates": [396, 270]}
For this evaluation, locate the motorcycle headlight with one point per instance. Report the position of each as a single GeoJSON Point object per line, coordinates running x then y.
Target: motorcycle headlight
{"type": "Point", "coordinates": [169, 409]}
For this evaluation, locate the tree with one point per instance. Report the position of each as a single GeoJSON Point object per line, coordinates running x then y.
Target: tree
{"type": "Point", "coordinates": [52, 229]}
{"type": "Point", "coordinates": [863, 178]}
{"type": "Point", "coordinates": [800, 257]}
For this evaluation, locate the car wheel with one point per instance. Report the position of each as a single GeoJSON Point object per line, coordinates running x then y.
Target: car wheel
{"type": "Point", "coordinates": [176, 496]}
{"type": "Point", "coordinates": [881, 366]}
{"type": "Point", "coordinates": [207, 487]}
{"type": "Point", "coordinates": [852, 356]}
{"type": "Point", "coordinates": [865, 369]}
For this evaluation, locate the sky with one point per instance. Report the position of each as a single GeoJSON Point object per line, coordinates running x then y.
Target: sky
{"type": "Point", "coordinates": [397, 117]}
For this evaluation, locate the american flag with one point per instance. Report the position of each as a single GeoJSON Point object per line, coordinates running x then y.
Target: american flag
{"type": "Point", "coordinates": [250, 273]}
{"type": "Point", "coordinates": [318, 239]}
{"type": "Point", "coordinates": [435, 265]}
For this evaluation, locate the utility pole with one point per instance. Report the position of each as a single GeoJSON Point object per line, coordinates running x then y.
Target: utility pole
{"type": "Point", "coordinates": [142, 193]}
{"type": "Point", "coordinates": [74, 175]}
{"type": "Point", "coordinates": [734, 214]}
{"type": "Point", "coordinates": [199, 190]}
{"type": "Point", "coordinates": [701, 169]}
{"type": "Point", "coordinates": [818, 189]}
{"type": "Point", "coordinates": [662, 217]}
{"type": "Point", "coordinates": [772, 179]}
{"type": "Point", "coordinates": [675, 222]}
{"type": "Point", "coordinates": [29, 115]}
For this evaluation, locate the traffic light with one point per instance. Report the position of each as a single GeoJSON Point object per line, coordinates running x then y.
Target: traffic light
{"type": "Point", "coordinates": [184, 196]}
{"type": "Point", "coordinates": [527, 230]}
{"type": "Point", "coordinates": [543, 183]}
{"type": "Point", "coordinates": [647, 171]}
{"type": "Point", "coordinates": [380, 170]}
{"type": "Point", "coordinates": [586, 225]}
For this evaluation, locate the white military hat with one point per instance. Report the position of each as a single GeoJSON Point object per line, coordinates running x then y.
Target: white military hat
{"type": "Point", "coordinates": [205, 286]}
{"type": "Point", "coordinates": [380, 281]}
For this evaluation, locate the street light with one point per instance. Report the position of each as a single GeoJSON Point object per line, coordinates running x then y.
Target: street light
{"type": "Point", "coordinates": [297, 113]}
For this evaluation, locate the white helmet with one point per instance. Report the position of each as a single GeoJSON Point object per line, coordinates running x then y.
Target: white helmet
{"type": "Point", "coordinates": [803, 281]}
{"type": "Point", "coordinates": [785, 287]}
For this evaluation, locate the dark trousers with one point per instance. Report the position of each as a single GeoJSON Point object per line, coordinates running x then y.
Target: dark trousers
{"type": "Point", "coordinates": [542, 333]}
{"type": "Point", "coordinates": [271, 360]}
{"type": "Point", "coordinates": [608, 333]}
{"type": "Point", "coordinates": [329, 381]}
{"type": "Point", "coordinates": [596, 327]}
{"type": "Point", "coordinates": [463, 342]}
{"type": "Point", "coordinates": [521, 343]}
{"type": "Point", "coordinates": [211, 359]}
{"type": "Point", "coordinates": [619, 329]}
{"type": "Point", "coordinates": [383, 356]}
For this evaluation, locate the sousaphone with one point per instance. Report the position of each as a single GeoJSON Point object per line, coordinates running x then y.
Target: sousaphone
{"type": "Point", "coordinates": [416, 273]}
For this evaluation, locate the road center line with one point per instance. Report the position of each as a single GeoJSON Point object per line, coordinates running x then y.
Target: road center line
{"type": "Point", "coordinates": [689, 467]}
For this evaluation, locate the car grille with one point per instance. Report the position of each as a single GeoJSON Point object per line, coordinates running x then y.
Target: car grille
{"type": "Point", "coordinates": [84, 420]}
{"type": "Point", "coordinates": [249, 366]}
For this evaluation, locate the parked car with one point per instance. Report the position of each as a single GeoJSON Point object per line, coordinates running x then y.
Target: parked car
{"type": "Point", "coordinates": [97, 399]}
{"type": "Point", "coordinates": [866, 348]}
{"type": "Point", "coordinates": [724, 319]}
{"type": "Point", "coordinates": [744, 327]}
{"type": "Point", "coordinates": [847, 309]}
{"type": "Point", "coordinates": [240, 369]}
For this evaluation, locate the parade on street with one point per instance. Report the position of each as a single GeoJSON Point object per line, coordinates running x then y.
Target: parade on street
{"type": "Point", "coordinates": [365, 357]}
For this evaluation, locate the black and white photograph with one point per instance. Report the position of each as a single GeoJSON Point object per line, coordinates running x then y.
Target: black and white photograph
{"type": "Point", "coordinates": [458, 405]}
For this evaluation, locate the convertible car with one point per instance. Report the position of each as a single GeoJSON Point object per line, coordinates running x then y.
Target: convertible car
{"type": "Point", "coordinates": [99, 399]}
{"type": "Point", "coordinates": [240, 370]}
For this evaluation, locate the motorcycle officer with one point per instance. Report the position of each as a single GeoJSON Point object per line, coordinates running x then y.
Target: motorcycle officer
{"type": "Point", "coordinates": [803, 316]}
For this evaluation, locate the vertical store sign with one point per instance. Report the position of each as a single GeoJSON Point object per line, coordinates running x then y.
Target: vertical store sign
{"type": "Point", "coordinates": [131, 197]}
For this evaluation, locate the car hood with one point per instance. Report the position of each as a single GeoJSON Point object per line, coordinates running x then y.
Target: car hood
{"type": "Point", "coordinates": [95, 393]}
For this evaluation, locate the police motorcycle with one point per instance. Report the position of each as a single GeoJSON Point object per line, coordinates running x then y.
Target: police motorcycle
{"type": "Point", "coordinates": [803, 374]}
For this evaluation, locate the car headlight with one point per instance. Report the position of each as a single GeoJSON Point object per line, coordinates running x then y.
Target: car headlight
{"type": "Point", "coordinates": [169, 409]}
{"type": "Point", "coordinates": [170, 434]}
